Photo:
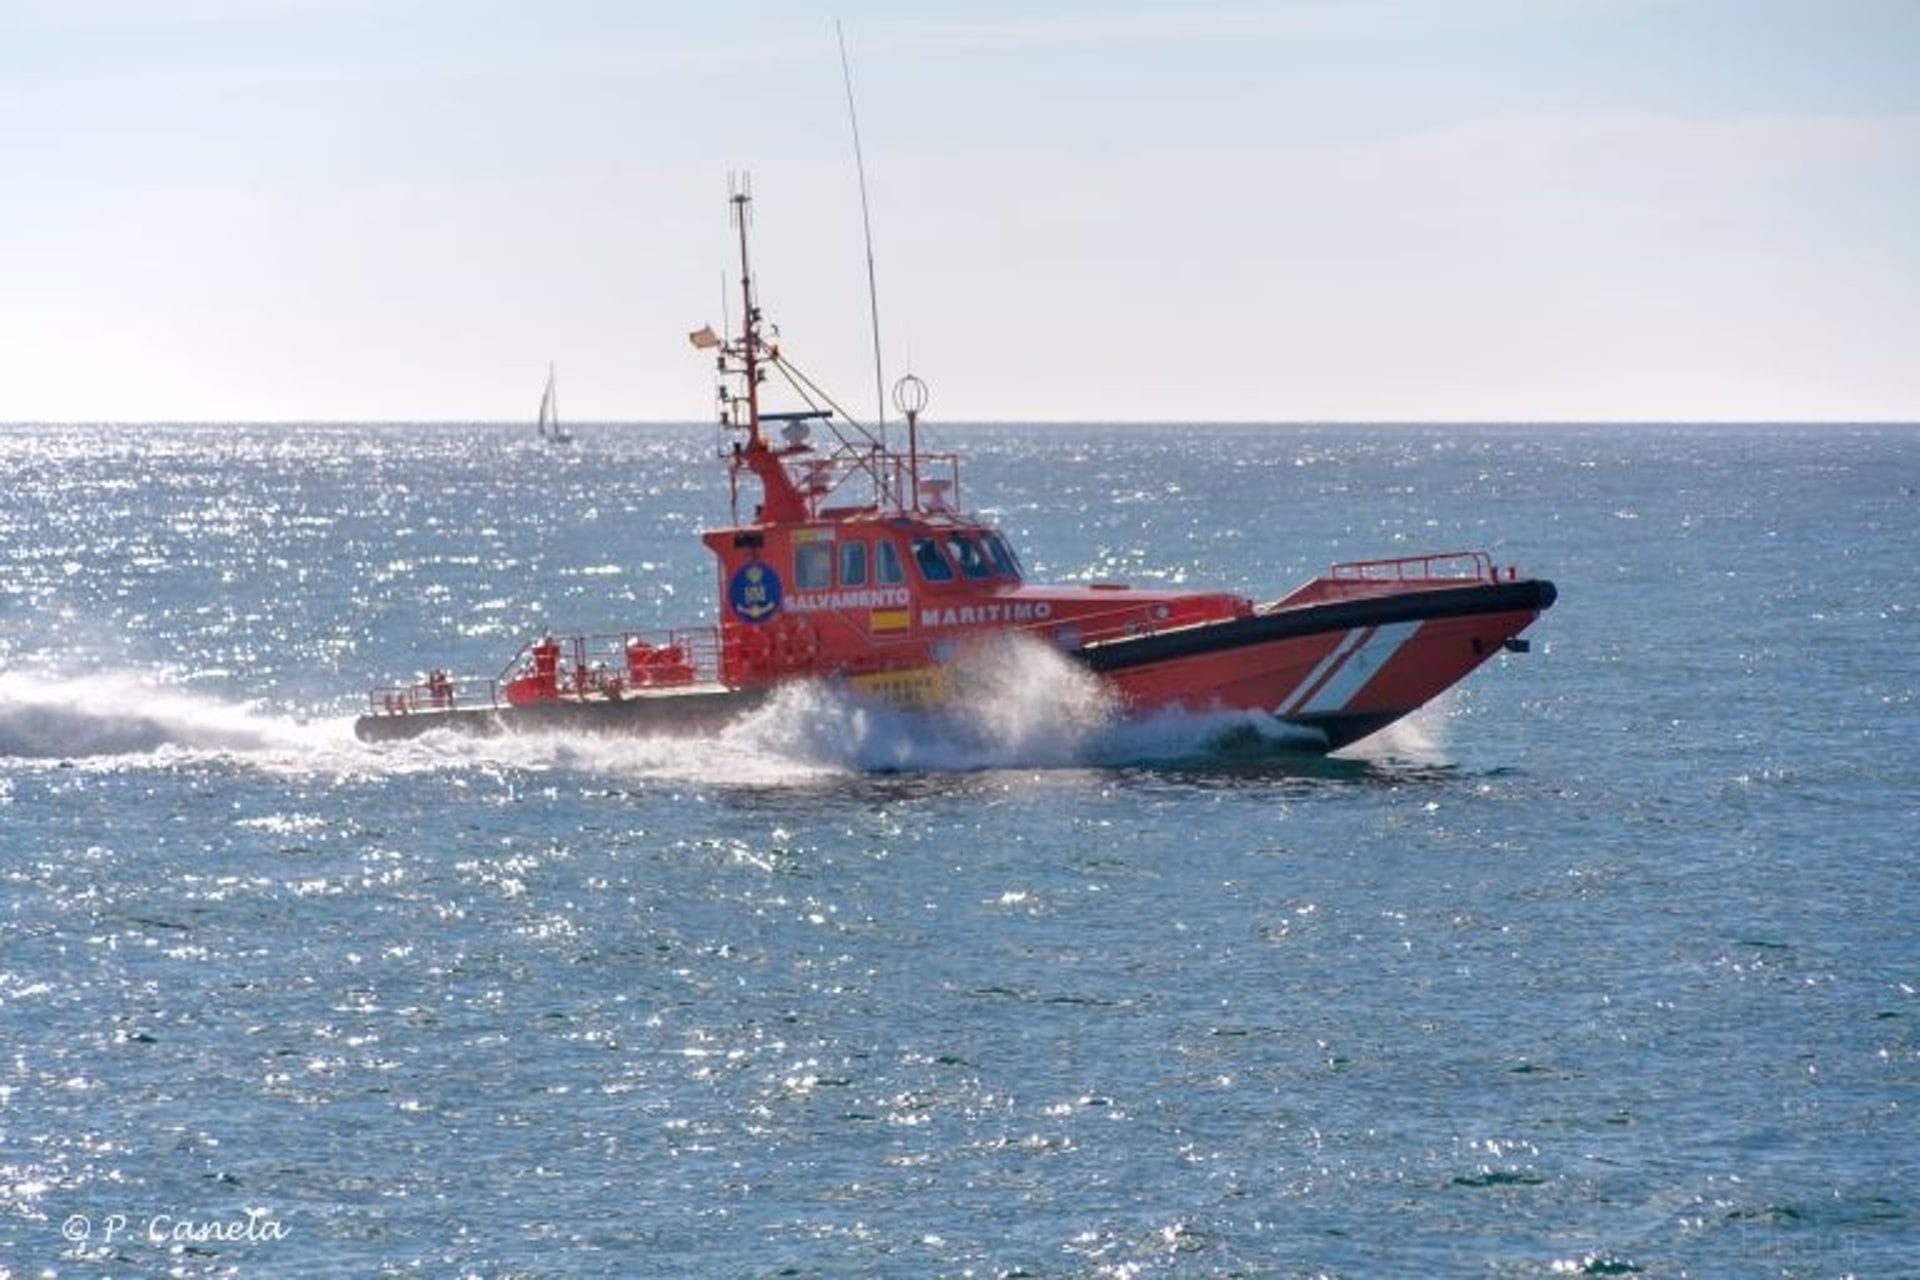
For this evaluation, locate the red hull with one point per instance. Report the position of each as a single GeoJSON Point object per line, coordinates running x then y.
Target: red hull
{"type": "Point", "coordinates": [1344, 683]}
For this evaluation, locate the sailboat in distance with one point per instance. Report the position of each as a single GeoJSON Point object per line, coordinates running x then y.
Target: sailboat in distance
{"type": "Point", "coordinates": [550, 428]}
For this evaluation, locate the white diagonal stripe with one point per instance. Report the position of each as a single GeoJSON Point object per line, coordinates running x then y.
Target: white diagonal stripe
{"type": "Point", "coordinates": [1339, 654]}
{"type": "Point", "coordinates": [1360, 668]}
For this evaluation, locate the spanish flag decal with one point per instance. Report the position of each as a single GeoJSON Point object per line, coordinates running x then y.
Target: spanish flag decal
{"type": "Point", "coordinates": [889, 619]}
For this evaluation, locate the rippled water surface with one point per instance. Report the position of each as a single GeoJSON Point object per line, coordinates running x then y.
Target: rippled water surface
{"type": "Point", "coordinates": [1605, 965]}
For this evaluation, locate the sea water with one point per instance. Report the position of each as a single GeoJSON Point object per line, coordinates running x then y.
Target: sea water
{"type": "Point", "coordinates": [1605, 964]}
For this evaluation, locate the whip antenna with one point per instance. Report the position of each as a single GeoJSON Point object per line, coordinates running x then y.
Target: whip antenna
{"type": "Point", "coordinates": [866, 225]}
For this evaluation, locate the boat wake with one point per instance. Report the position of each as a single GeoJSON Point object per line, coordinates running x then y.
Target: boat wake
{"type": "Point", "coordinates": [47, 717]}
{"type": "Point", "coordinates": [1017, 704]}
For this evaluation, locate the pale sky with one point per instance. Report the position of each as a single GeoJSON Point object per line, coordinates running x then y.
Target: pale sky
{"type": "Point", "coordinates": [1295, 210]}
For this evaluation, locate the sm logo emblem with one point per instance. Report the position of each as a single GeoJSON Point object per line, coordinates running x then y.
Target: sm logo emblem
{"type": "Point", "coordinates": [754, 592]}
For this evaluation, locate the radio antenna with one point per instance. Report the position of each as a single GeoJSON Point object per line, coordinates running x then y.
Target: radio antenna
{"type": "Point", "coordinates": [866, 225]}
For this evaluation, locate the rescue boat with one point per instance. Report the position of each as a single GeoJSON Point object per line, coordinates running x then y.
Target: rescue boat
{"type": "Point", "coordinates": [858, 564]}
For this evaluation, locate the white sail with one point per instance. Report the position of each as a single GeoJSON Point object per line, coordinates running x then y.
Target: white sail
{"type": "Point", "coordinates": [550, 428]}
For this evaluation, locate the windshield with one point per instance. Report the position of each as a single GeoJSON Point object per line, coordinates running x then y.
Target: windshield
{"type": "Point", "coordinates": [972, 560]}
{"type": "Point", "coordinates": [932, 565]}
{"type": "Point", "coordinates": [1003, 558]}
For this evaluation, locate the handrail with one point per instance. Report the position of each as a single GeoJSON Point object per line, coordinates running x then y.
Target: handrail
{"type": "Point", "coordinates": [820, 476]}
{"type": "Point", "coordinates": [1416, 568]}
{"type": "Point", "coordinates": [439, 692]}
{"type": "Point", "coordinates": [601, 664]}
{"type": "Point", "coordinates": [589, 662]}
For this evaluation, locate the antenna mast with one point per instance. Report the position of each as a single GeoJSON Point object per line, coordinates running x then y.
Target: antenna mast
{"type": "Point", "coordinates": [866, 225]}
{"type": "Point", "coordinates": [741, 201]}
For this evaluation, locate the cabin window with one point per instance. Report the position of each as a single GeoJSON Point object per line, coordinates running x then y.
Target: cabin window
{"type": "Point", "coordinates": [933, 566]}
{"type": "Point", "coordinates": [813, 566]}
{"type": "Point", "coordinates": [967, 553]}
{"type": "Point", "coordinates": [886, 565]}
{"type": "Point", "coordinates": [1003, 558]}
{"type": "Point", "coordinates": [853, 564]}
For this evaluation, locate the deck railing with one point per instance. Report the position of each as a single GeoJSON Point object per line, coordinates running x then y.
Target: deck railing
{"type": "Point", "coordinates": [1441, 564]}
{"type": "Point", "coordinates": [891, 474]}
{"type": "Point", "coordinates": [594, 665]}
{"type": "Point", "coordinates": [438, 692]}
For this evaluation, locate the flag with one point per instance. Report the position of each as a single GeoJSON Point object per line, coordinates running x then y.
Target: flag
{"type": "Point", "coordinates": [704, 337]}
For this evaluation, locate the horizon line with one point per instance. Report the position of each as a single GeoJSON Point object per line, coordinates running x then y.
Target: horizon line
{"type": "Point", "coordinates": [679, 423]}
